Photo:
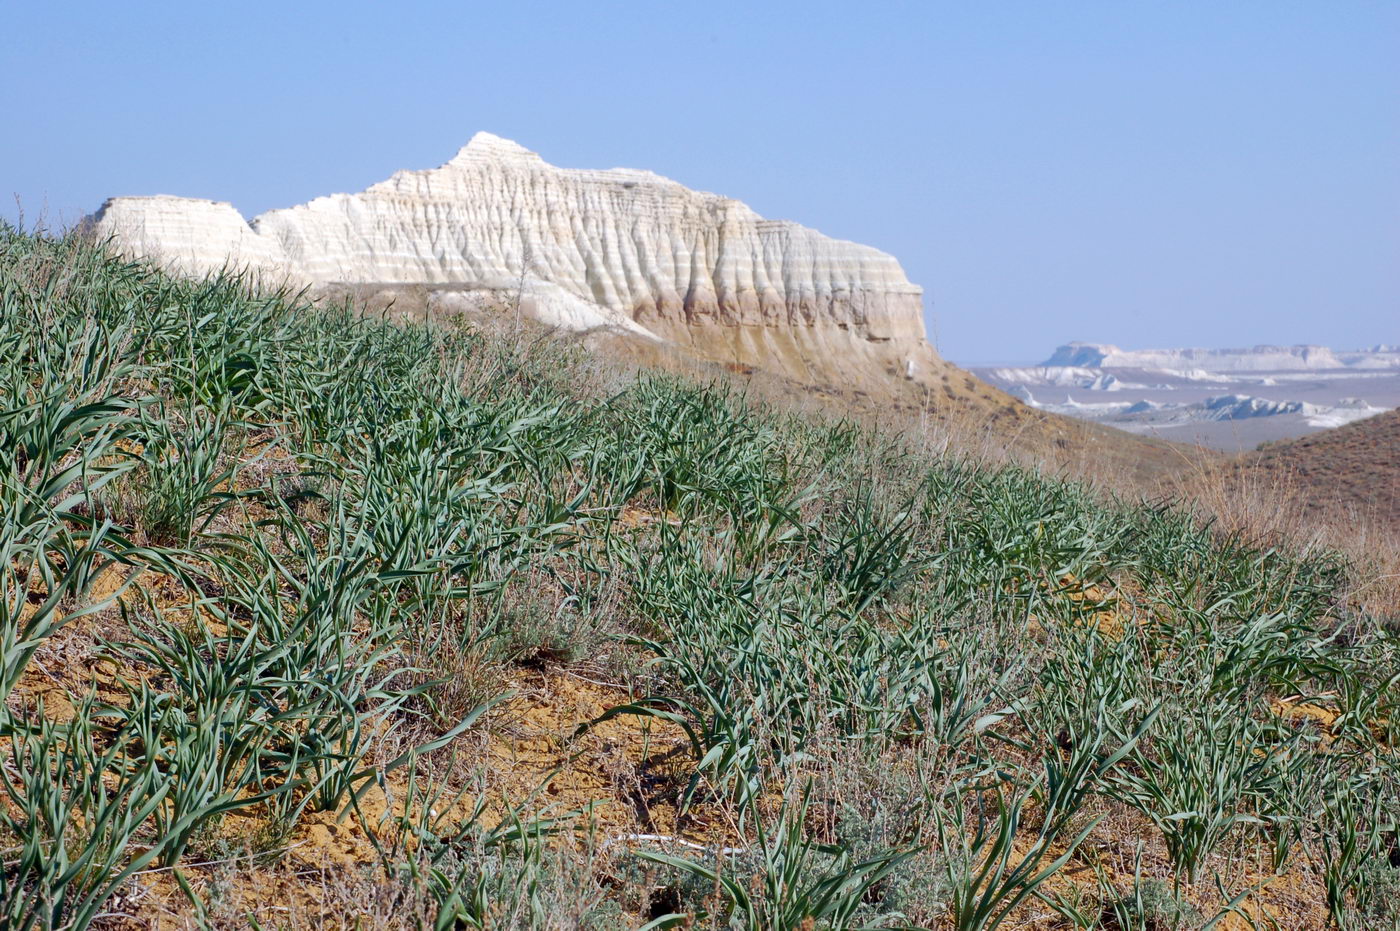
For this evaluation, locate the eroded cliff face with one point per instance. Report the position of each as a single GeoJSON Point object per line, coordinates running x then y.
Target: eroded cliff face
{"type": "Point", "coordinates": [624, 250]}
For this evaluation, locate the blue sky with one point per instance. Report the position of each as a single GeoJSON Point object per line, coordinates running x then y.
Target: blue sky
{"type": "Point", "coordinates": [1146, 173]}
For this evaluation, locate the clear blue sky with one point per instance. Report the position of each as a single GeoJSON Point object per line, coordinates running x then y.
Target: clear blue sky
{"type": "Point", "coordinates": [1210, 173]}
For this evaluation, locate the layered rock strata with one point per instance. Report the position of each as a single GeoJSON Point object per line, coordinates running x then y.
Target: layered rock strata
{"type": "Point", "coordinates": [629, 251]}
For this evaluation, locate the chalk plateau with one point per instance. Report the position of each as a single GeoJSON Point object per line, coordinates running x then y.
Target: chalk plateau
{"type": "Point", "coordinates": [497, 229]}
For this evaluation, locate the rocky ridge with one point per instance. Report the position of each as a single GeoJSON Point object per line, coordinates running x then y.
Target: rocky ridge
{"type": "Point", "coordinates": [623, 251]}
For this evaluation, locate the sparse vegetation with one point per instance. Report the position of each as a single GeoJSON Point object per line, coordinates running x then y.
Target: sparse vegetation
{"type": "Point", "coordinates": [307, 618]}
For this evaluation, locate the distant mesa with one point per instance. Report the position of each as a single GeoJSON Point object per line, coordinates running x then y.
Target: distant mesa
{"type": "Point", "coordinates": [1232, 398]}
{"type": "Point", "coordinates": [623, 251]}
{"type": "Point", "coordinates": [1189, 362]}
{"type": "Point", "coordinates": [1229, 407]}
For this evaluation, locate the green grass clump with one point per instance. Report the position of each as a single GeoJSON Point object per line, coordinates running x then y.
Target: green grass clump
{"type": "Point", "coordinates": [315, 547]}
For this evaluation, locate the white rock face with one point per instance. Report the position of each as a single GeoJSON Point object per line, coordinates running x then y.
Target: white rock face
{"type": "Point", "coordinates": [622, 249]}
{"type": "Point", "coordinates": [186, 235]}
{"type": "Point", "coordinates": [1086, 379]}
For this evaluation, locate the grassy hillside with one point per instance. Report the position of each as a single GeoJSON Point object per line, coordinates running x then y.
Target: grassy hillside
{"type": "Point", "coordinates": [313, 620]}
{"type": "Point", "coordinates": [1348, 472]}
{"type": "Point", "coordinates": [960, 409]}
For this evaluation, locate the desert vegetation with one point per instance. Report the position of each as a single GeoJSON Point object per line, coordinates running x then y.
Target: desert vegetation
{"type": "Point", "coordinates": [310, 619]}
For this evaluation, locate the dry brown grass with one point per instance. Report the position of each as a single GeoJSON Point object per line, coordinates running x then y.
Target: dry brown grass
{"type": "Point", "coordinates": [1350, 473]}
{"type": "Point", "coordinates": [1270, 501]}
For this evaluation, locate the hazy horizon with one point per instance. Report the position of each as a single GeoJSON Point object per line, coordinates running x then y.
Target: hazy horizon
{"type": "Point", "coordinates": [1175, 176]}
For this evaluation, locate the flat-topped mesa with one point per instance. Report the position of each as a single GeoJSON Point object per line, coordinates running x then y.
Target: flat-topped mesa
{"type": "Point", "coordinates": [618, 248]}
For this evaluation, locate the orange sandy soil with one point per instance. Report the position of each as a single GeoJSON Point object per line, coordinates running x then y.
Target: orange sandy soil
{"type": "Point", "coordinates": [621, 776]}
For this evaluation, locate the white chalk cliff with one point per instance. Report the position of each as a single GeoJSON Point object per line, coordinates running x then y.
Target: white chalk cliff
{"type": "Point", "coordinates": [620, 249]}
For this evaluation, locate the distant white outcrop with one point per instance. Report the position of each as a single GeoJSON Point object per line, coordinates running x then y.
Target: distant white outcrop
{"type": "Point", "coordinates": [1229, 407]}
{"type": "Point", "coordinates": [1343, 412]}
{"type": "Point", "coordinates": [1244, 407]}
{"type": "Point", "coordinates": [1085, 379]}
{"type": "Point", "coordinates": [1257, 359]}
{"type": "Point", "coordinates": [580, 249]}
